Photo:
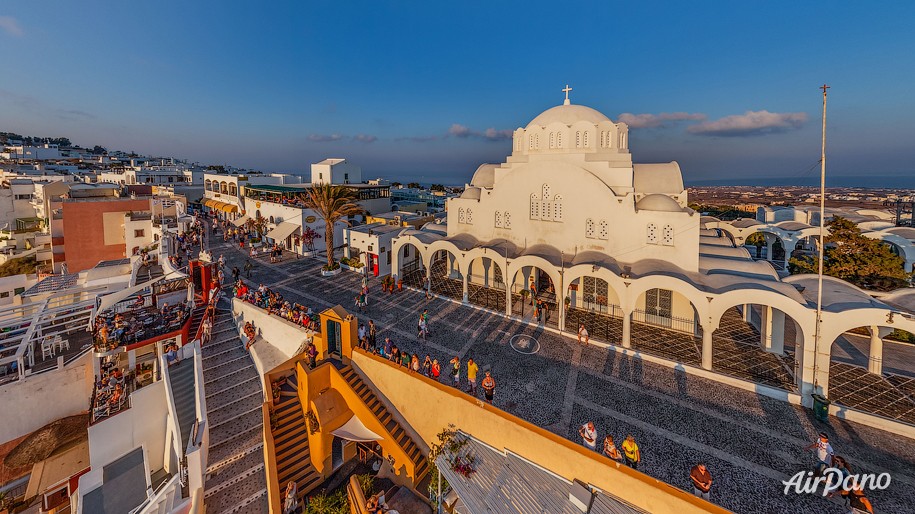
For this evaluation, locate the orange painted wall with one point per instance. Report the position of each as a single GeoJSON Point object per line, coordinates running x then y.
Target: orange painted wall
{"type": "Point", "coordinates": [84, 231]}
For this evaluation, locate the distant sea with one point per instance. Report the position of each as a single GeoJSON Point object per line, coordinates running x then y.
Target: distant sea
{"type": "Point", "coordinates": [869, 182]}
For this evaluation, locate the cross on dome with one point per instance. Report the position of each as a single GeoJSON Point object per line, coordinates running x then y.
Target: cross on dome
{"type": "Point", "coordinates": [566, 91]}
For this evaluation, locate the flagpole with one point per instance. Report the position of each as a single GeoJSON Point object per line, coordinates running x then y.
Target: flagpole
{"type": "Point", "coordinates": [819, 321]}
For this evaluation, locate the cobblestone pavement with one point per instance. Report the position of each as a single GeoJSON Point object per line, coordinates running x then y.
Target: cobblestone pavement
{"type": "Point", "coordinates": [750, 442]}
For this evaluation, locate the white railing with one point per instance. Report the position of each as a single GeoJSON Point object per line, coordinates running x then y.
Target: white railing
{"type": "Point", "coordinates": [163, 500]}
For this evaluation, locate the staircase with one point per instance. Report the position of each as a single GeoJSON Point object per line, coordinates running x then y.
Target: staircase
{"type": "Point", "coordinates": [290, 439]}
{"type": "Point", "coordinates": [236, 481]}
{"type": "Point", "coordinates": [391, 425]}
{"type": "Point", "coordinates": [181, 378]}
{"type": "Point", "coordinates": [196, 321]}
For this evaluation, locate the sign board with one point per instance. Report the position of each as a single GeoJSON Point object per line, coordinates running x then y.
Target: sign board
{"type": "Point", "coordinates": [310, 219]}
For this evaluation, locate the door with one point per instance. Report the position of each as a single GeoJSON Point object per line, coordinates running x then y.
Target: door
{"type": "Point", "coordinates": [333, 337]}
{"type": "Point", "coordinates": [336, 453]}
{"type": "Point", "coordinates": [375, 264]}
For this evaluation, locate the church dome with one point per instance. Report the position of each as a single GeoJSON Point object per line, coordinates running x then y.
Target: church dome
{"type": "Point", "coordinates": [568, 115]}
{"type": "Point", "coordinates": [472, 193]}
{"type": "Point", "coordinates": [659, 203]}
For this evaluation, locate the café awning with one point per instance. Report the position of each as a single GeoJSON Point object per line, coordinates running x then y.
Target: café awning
{"type": "Point", "coordinates": [241, 221]}
{"type": "Point", "coordinates": [354, 430]}
{"type": "Point", "coordinates": [227, 207]}
{"type": "Point", "coordinates": [283, 230]}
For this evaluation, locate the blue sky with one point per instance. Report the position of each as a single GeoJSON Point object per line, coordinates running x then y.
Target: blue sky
{"type": "Point", "coordinates": [409, 89]}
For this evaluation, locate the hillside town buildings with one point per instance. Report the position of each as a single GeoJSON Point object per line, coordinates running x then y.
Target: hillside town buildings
{"type": "Point", "coordinates": [177, 371]}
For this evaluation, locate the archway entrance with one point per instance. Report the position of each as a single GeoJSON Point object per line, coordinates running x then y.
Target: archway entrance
{"type": "Point", "coordinates": [664, 324]}
{"type": "Point", "coordinates": [411, 269]}
{"type": "Point", "coordinates": [486, 284]}
{"type": "Point", "coordinates": [445, 275]}
{"type": "Point", "coordinates": [595, 304]}
{"type": "Point", "coordinates": [533, 296]}
{"type": "Point", "coordinates": [757, 343]}
{"type": "Point", "coordinates": [873, 369]}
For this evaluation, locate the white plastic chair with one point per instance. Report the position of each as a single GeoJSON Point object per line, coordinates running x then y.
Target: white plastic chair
{"type": "Point", "coordinates": [47, 349]}
{"type": "Point", "coordinates": [60, 343]}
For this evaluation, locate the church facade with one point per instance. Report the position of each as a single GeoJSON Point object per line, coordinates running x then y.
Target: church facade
{"type": "Point", "coordinates": [570, 220]}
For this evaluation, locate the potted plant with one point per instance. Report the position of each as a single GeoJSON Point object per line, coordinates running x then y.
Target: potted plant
{"type": "Point", "coordinates": [567, 301]}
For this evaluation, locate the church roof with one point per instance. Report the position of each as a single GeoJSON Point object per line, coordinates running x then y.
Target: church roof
{"type": "Point", "coordinates": [663, 178]}
{"type": "Point", "coordinates": [658, 202]}
{"type": "Point", "coordinates": [568, 115]}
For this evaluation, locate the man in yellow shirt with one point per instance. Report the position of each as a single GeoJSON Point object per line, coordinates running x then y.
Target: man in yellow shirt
{"type": "Point", "coordinates": [631, 452]}
{"type": "Point", "coordinates": [472, 370]}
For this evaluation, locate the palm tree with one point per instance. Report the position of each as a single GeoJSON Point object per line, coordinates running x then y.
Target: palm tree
{"type": "Point", "coordinates": [332, 203]}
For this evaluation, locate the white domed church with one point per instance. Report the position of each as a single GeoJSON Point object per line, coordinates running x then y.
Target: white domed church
{"type": "Point", "coordinates": [569, 231]}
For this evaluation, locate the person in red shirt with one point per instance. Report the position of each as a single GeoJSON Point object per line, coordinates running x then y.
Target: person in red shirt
{"type": "Point", "coordinates": [702, 480]}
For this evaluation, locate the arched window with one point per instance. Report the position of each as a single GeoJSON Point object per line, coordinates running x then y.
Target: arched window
{"type": "Point", "coordinates": [552, 140]}
{"type": "Point", "coordinates": [559, 140]}
{"type": "Point", "coordinates": [271, 220]}
{"type": "Point", "coordinates": [508, 220]}
{"type": "Point", "coordinates": [535, 207]}
{"type": "Point", "coordinates": [469, 216]}
{"type": "Point", "coordinates": [557, 208]}
{"type": "Point", "coordinates": [604, 230]}
{"type": "Point", "coordinates": [667, 236]}
{"type": "Point", "coordinates": [578, 139]}
{"type": "Point", "coordinates": [652, 234]}
{"type": "Point", "coordinates": [586, 139]}
{"type": "Point", "coordinates": [461, 218]}
{"type": "Point", "coordinates": [546, 206]}
{"type": "Point", "coordinates": [498, 221]}
{"type": "Point", "coordinates": [208, 185]}
{"type": "Point", "coordinates": [589, 228]}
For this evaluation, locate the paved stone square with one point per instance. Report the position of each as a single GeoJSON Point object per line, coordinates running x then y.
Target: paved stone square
{"type": "Point", "coordinates": [750, 442]}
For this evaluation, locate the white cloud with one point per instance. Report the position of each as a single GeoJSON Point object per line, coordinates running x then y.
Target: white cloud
{"type": "Point", "coordinates": [459, 130]}
{"type": "Point", "coordinates": [325, 138]}
{"type": "Point", "coordinates": [658, 120]}
{"type": "Point", "coordinates": [497, 135]}
{"type": "Point", "coordinates": [11, 26]}
{"type": "Point", "coordinates": [365, 138]}
{"type": "Point", "coordinates": [751, 123]}
{"type": "Point", "coordinates": [491, 134]}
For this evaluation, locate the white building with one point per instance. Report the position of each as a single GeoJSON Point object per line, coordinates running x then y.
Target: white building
{"type": "Point", "coordinates": [336, 171]}
{"type": "Point", "coordinates": [598, 239]}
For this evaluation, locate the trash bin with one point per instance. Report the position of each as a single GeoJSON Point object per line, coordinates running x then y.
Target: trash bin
{"type": "Point", "coordinates": [821, 408]}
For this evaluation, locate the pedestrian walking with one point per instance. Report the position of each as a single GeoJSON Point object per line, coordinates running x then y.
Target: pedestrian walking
{"type": "Point", "coordinates": [582, 334]}
{"type": "Point", "coordinates": [631, 452]}
{"type": "Point", "coordinates": [588, 435]}
{"type": "Point", "coordinates": [456, 371]}
{"type": "Point", "coordinates": [824, 453]}
{"type": "Point", "coordinates": [489, 387]}
{"type": "Point", "coordinates": [421, 329]}
{"type": "Point", "coordinates": [235, 273]}
{"type": "Point", "coordinates": [610, 449]}
{"type": "Point", "coordinates": [472, 370]}
{"type": "Point", "coordinates": [248, 267]}
{"type": "Point", "coordinates": [427, 287]}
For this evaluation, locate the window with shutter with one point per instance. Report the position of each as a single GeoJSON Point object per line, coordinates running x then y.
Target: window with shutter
{"type": "Point", "coordinates": [652, 234]}
{"type": "Point", "coordinates": [667, 236]}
